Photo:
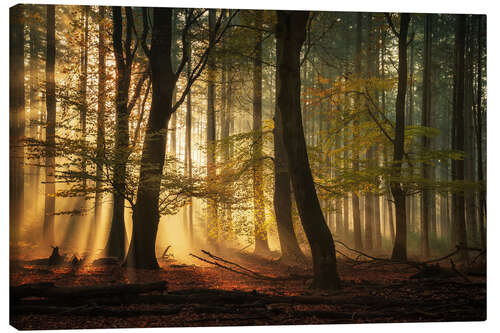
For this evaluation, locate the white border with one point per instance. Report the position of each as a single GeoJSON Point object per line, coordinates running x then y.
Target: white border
{"type": "Point", "coordinates": [419, 6]}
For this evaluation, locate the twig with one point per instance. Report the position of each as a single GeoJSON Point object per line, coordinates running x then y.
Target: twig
{"type": "Point", "coordinates": [228, 262]}
{"type": "Point", "coordinates": [231, 269]}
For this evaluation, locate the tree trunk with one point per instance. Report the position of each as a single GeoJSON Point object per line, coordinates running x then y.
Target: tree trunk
{"type": "Point", "coordinates": [141, 253]}
{"type": "Point", "coordinates": [399, 250]}
{"type": "Point", "coordinates": [17, 121]}
{"type": "Point", "coordinates": [261, 245]}
{"type": "Point", "coordinates": [426, 143]}
{"type": "Point", "coordinates": [458, 135]}
{"type": "Point", "coordinates": [50, 132]}
{"type": "Point", "coordinates": [469, 167]}
{"type": "Point", "coordinates": [290, 249]}
{"type": "Point", "coordinates": [355, 152]}
{"type": "Point", "coordinates": [74, 228]}
{"type": "Point", "coordinates": [212, 218]}
{"type": "Point", "coordinates": [101, 129]}
{"type": "Point", "coordinates": [479, 135]}
{"type": "Point", "coordinates": [225, 133]}
{"type": "Point", "coordinates": [290, 33]}
{"type": "Point", "coordinates": [115, 246]}
{"type": "Point", "coordinates": [188, 154]}
{"type": "Point", "coordinates": [34, 108]}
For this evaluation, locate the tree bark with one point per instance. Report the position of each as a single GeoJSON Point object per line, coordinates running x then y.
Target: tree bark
{"type": "Point", "coordinates": [356, 213]}
{"type": "Point", "coordinates": [141, 253]}
{"type": "Point", "coordinates": [290, 33]}
{"type": "Point", "coordinates": [115, 246]}
{"type": "Point", "coordinates": [261, 245]}
{"type": "Point", "coordinates": [212, 218]}
{"type": "Point", "coordinates": [290, 249]}
{"type": "Point", "coordinates": [458, 135]}
{"type": "Point", "coordinates": [188, 154]}
{"type": "Point", "coordinates": [101, 129]}
{"type": "Point", "coordinates": [399, 249]}
{"type": "Point", "coordinates": [50, 132]}
{"type": "Point", "coordinates": [34, 107]}
{"type": "Point", "coordinates": [17, 121]}
{"type": "Point", "coordinates": [479, 134]}
{"type": "Point", "coordinates": [426, 143]}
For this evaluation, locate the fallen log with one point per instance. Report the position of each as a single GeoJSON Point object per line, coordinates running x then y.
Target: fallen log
{"type": "Point", "coordinates": [91, 311]}
{"type": "Point", "coordinates": [49, 290]}
{"type": "Point", "coordinates": [239, 298]}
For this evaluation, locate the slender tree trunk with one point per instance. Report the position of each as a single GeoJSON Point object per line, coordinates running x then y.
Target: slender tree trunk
{"type": "Point", "coordinates": [458, 134]}
{"type": "Point", "coordinates": [261, 245]}
{"type": "Point", "coordinates": [212, 218]}
{"type": "Point", "coordinates": [17, 120]}
{"type": "Point", "coordinates": [479, 134]}
{"type": "Point", "coordinates": [469, 165]}
{"type": "Point", "coordinates": [75, 223]}
{"type": "Point", "coordinates": [426, 214]}
{"type": "Point", "coordinates": [173, 129]}
{"type": "Point", "coordinates": [50, 132]}
{"type": "Point", "coordinates": [101, 129]}
{"type": "Point", "coordinates": [399, 250]}
{"type": "Point", "coordinates": [141, 253]}
{"type": "Point", "coordinates": [34, 108]}
{"type": "Point", "coordinates": [355, 153]}
{"type": "Point", "coordinates": [290, 33]}
{"type": "Point", "coordinates": [225, 133]}
{"type": "Point", "coordinates": [188, 154]}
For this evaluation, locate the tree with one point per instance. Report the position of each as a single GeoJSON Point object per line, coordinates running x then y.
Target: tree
{"type": "Point", "coordinates": [146, 210]}
{"type": "Point", "coordinates": [212, 218]}
{"type": "Point", "coordinates": [426, 143]}
{"type": "Point", "coordinates": [50, 132]}
{"type": "Point", "coordinates": [399, 249]}
{"type": "Point", "coordinates": [188, 162]}
{"type": "Point", "coordinates": [290, 33]}
{"type": "Point", "coordinates": [290, 250]}
{"type": "Point", "coordinates": [101, 130]}
{"type": "Point", "coordinates": [115, 245]}
{"type": "Point", "coordinates": [358, 244]}
{"type": "Point", "coordinates": [261, 245]}
{"type": "Point", "coordinates": [458, 134]}
{"type": "Point", "coordinates": [479, 133]}
{"type": "Point", "coordinates": [75, 222]}
{"type": "Point", "coordinates": [17, 119]}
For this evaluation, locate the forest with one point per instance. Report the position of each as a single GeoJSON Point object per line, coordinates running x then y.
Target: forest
{"type": "Point", "coordinates": [208, 167]}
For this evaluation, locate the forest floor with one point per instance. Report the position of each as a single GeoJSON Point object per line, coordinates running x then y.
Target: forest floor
{"type": "Point", "coordinates": [208, 295]}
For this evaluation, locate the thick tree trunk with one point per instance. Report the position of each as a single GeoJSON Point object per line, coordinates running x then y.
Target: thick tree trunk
{"type": "Point", "coordinates": [115, 246]}
{"type": "Point", "coordinates": [50, 132]}
{"type": "Point", "coordinates": [261, 245]}
{"type": "Point", "coordinates": [458, 134]}
{"type": "Point", "coordinates": [17, 120]}
{"type": "Point", "coordinates": [399, 250]}
{"type": "Point", "coordinates": [426, 143]}
{"type": "Point", "coordinates": [141, 253]}
{"type": "Point", "coordinates": [290, 250]}
{"type": "Point", "coordinates": [290, 33]}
